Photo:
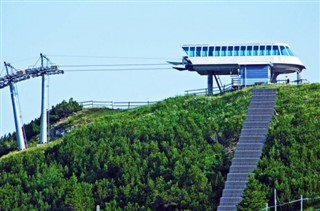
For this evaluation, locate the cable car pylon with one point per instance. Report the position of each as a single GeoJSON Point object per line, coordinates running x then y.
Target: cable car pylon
{"type": "Point", "coordinates": [44, 101]}
{"type": "Point", "coordinates": [16, 111]}
{"type": "Point", "coordinates": [20, 75]}
{"type": "Point", "coordinates": [44, 72]}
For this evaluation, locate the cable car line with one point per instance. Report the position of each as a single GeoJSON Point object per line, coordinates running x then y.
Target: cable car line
{"type": "Point", "coordinates": [109, 57]}
{"type": "Point", "coordinates": [115, 70]}
{"type": "Point", "coordinates": [111, 65]}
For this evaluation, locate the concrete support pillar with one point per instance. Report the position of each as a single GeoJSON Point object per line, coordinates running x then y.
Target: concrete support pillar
{"type": "Point", "coordinates": [298, 78]}
{"type": "Point", "coordinates": [210, 84]}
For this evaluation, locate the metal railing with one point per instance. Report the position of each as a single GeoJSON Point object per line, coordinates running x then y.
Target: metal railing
{"type": "Point", "coordinates": [114, 105]}
{"type": "Point", "coordinates": [204, 91]}
{"type": "Point", "coordinates": [301, 81]}
{"type": "Point", "coordinates": [289, 205]}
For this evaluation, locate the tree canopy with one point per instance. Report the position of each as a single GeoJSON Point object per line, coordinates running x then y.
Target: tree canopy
{"type": "Point", "coordinates": [172, 155]}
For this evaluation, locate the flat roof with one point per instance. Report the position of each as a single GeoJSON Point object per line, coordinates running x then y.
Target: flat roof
{"type": "Point", "coordinates": [237, 44]}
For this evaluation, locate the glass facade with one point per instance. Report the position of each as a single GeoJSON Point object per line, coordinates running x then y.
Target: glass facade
{"type": "Point", "coordinates": [244, 50]}
{"type": "Point", "coordinates": [211, 49]}
{"type": "Point", "coordinates": [198, 51]}
{"type": "Point", "coordinates": [217, 51]}
{"type": "Point", "coordinates": [275, 50]}
{"type": "Point", "coordinates": [223, 51]}
{"type": "Point", "coordinates": [255, 50]}
{"type": "Point", "coordinates": [283, 51]}
{"type": "Point", "coordinates": [204, 51]}
{"type": "Point", "coordinates": [236, 51]}
{"type": "Point", "coordinates": [289, 51]}
{"type": "Point", "coordinates": [229, 51]}
{"type": "Point", "coordinates": [191, 52]}
{"type": "Point", "coordinates": [262, 50]}
{"type": "Point", "coordinates": [249, 51]}
{"type": "Point", "coordinates": [268, 50]}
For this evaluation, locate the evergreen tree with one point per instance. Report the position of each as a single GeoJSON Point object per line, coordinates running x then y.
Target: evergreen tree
{"type": "Point", "coordinates": [254, 198]}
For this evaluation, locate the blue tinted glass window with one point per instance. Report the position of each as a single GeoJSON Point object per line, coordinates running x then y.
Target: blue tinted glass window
{"type": "Point", "coordinates": [249, 51]}
{"type": "Point", "coordinates": [275, 50]}
{"type": "Point", "coordinates": [211, 51]}
{"type": "Point", "coordinates": [186, 49]}
{"type": "Point", "coordinates": [262, 50]}
{"type": "Point", "coordinates": [268, 50]}
{"type": "Point", "coordinates": [198, 50]}
{"type": "Point", "coordinates": [283, 51]}
{"type": "Point", "coordinates": [242, 50]}
{"type": "Point", "coordinates": [229, 51]}
{"type": "Point", "coordinates": [236, 51]}
{"type": "Point", "coordinates": [217, 51]}
{"type": "Point", "coordinates": [204, 51]}
{"type": "Point", "coordinates": [289, 51]}
{"type": "Point", "coordinates": [223, 51]}
{"type": "Point", "coordinates": [191, 52]}
{"type": "Point", "coordinates": [255, 50]}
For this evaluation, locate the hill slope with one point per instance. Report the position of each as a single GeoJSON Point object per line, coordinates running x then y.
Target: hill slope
{"type": "Point", "coordinates": [171, 155]}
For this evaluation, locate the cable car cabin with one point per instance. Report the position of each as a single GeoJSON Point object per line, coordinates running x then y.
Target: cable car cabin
{"type": "Point", "coordinates": [247, 64]}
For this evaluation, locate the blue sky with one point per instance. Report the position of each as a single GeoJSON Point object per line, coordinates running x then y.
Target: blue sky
{"type": "Point", "coordinates": [139, 32]}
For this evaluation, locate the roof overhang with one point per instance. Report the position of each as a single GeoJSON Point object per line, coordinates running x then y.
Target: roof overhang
{"type": "Point", "coordinates": [285, 68]}
{"type": "Point", "coordinates": [218, 69]}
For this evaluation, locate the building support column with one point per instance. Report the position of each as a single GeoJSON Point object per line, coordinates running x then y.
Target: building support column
{"type": "Point", "coordinates": [210, 84]}
{"type": "Point", "coordinates": [274, 78]}
{"type": "Point", "coordinates": [298, 78]}
{"type": "Point", "coordinates": [219, 86]}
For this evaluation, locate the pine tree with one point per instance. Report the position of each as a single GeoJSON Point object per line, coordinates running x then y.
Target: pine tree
{"type": "Point", "coordinates": [254, 198]}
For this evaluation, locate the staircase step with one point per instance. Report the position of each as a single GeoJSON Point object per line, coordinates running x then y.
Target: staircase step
{"type": "Point", "coordinates": [252, 139]}
{"type": "Point", "coordinates": [245, 161]}
{"type": "Point", "coordinates": [262, 104]}
{"type": "Point", "coordinates": [242, 168]}
{"type": "Point", "coordinates": [264, 94]}
{"type": "Point", "coordinates": [227, 208]}
{"type": "Point", "coordinates": [237, 177]}
{"type": "Point", "coordinates": [247, 153]}
{"type": "Point", "coordinates": [257, 118]}
{"type": "Point", "coordinates": [232, 193]}
{"type": "Point", "coordinates": [272, 90]}
{"type": "Point", "coordinates": [261, 110]}
{"type": "Point", "coordinates": [235, 185]}
{"type": "Point", "coordinates": [260, 91]}
{"type": "Point", "coordinates": [249, 146]}
{"type": "Point", "coordinates": [254, 124]}
{"type": "Point", "coordinates": [263, 97]}
{"type": "Point", "coordinates": [225, 201]}
{"type": "Point", "coordinates": [254, 131]}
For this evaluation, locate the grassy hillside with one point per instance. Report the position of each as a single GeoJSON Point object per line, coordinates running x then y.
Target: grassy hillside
{"type": "Point", "coordinates": [291, 159]}
{"type": "Point", "coordinates": [171, 155]}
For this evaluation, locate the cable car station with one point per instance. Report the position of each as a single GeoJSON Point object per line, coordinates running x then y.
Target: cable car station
{"type": "Point", "coordinates": [247, 64]}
